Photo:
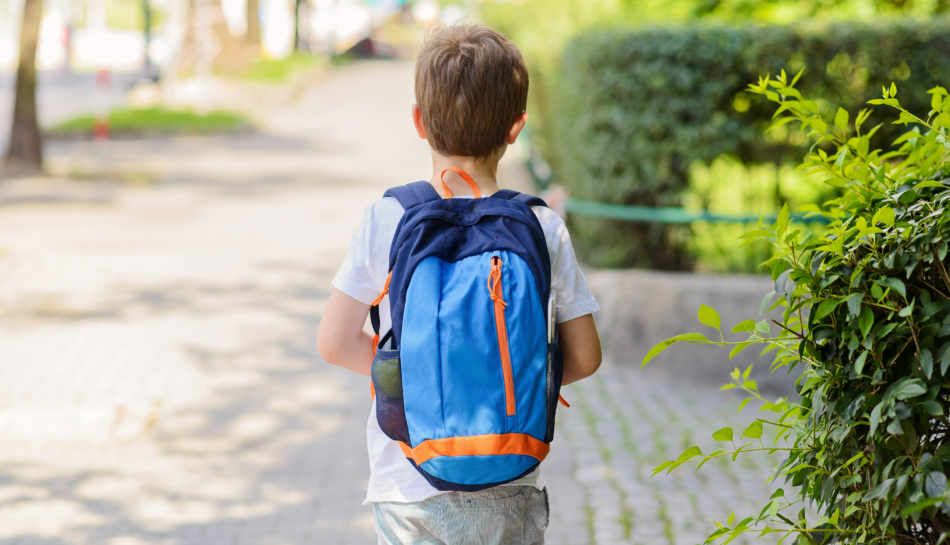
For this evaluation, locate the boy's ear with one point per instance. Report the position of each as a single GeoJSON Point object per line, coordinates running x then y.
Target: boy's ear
{"type": "Point", "coordinates": [516, 128]}
{"type": "Point", "coordinates": [417, 121]}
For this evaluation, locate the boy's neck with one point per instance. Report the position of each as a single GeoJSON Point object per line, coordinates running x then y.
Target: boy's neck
{"type": "Point", "coordinates": [483, 170]}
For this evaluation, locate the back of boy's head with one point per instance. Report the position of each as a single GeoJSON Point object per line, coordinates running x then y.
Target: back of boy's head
{"type": "Point", "coordinates": [471, 86]}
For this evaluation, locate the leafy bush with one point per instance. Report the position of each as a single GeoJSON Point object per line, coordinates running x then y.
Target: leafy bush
{"type": "Point", "coordinates": [728, 187]}
{"type": "Point", "coordinates": [866, 320]}
{"type": "Point", "coordinates": [636, 109]}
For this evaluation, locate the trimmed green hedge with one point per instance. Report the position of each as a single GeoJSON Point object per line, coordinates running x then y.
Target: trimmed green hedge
{"type": "Point", "coordinates": [635, 109]}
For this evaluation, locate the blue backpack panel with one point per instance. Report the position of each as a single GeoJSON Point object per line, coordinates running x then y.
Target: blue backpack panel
{"type": "Point", "coordinates": [465, 381]}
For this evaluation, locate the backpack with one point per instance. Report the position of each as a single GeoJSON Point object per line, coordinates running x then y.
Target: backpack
{"type": "Point", "coordinates": [466, 381]}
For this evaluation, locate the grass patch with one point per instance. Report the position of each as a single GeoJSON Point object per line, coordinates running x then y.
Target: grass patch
{"type": "Point", "coordinates": [156, 121]}
{"type": "Point", "coordinates": [280, 70]}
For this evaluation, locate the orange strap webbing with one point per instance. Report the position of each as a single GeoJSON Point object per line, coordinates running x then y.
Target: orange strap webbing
{"type": "Point", "coordinates": [465, 176]}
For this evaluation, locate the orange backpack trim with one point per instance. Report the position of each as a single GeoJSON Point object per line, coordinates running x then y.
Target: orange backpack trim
{"type": "Point", "coordinates": [478, 445]}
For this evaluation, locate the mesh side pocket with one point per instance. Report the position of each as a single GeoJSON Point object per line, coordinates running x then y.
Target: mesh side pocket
{"type": "Point", "coordinates": [390, 408]}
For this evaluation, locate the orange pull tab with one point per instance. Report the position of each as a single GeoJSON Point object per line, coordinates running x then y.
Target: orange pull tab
{"type": "Point", "coordinates": [561, 399]}
{"type": "Point", "coordinates": [494, 283]}
{"type": "Point", "coordinates": [465, 176]}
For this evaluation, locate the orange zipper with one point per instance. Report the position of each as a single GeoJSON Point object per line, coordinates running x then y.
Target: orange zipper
{"type": "Point", "coordinates": [494, 288]}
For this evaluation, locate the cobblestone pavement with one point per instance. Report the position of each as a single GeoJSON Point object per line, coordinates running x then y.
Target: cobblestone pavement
{"type": "Point", "coordinates": [159, 382]}
{"type": "Point", "coordinates": [622, 424]}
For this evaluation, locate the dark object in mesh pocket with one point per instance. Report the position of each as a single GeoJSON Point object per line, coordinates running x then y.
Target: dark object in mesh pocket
{"type": "Point", "coordinates": [390, 408]}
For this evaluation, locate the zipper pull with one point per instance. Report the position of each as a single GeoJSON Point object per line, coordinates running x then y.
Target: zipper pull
{"type": "Point", "coordinates": [494, 282]}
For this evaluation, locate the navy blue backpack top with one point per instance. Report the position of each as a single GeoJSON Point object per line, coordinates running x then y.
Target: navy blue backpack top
{"type": "Point", "coordinates": [466, 381]}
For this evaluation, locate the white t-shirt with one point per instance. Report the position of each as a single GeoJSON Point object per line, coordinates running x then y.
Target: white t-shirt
{"type": "Point", "coordinates": [362, 275]}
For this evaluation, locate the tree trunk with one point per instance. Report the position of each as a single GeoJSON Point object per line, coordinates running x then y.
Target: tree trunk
{"type": "Point", "coordinates": [208, 45]}
{"type": "Point", "coordinates": [25, 155]}
{"type": "Point", "coordinates": [253, 23]}
{"type": "Point", "coordinates": [147, 30]}
{"type": "Point", "coordinates": [231, 56]}
{"type": "Point", "coordinates": [301, 17]}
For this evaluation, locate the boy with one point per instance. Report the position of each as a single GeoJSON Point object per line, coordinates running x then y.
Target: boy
{"type": "Point", "coordinates": [471, 92]}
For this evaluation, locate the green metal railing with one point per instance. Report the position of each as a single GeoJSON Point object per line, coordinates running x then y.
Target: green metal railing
{"type": "Point", "coordinates": [672, 215]}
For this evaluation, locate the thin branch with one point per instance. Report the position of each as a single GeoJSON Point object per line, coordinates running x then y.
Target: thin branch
{"type": "Point", "coordinates": [797, 334]}
{"type": "Point", "coordinates": [935, 288]}
{"type": "Point", "coordinates": [899, 352]}
{"type": "Point", "coordinates": [913, 334]}
{"type": "Point", "coordinates": [943, 273]}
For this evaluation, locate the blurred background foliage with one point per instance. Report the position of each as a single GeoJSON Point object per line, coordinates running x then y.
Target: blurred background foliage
{"type": "Point", "coordinates": [643, 103]}
{"type": "Point", "coordinates": [633, 102]}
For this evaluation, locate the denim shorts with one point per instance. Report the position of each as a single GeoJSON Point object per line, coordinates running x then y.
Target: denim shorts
{"type": "Point", "coordinates": [503, 515]}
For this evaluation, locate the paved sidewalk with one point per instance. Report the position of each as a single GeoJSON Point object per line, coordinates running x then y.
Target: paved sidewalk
{"type": "Point", "coordinates": [159, 379]}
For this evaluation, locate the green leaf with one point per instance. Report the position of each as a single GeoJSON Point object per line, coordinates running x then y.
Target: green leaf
{"type": "Point", "coordinates": [826, 308]}
{"type": "Point", "coordinates": [841, 119]}
{"type": "Point", "coordinates": [758, 233]}
{"type": "Point", "coordinates": [723, 434]}
{"type": "Point", "coordinates": [708, 316]}
{"type": "Point", "coordinates": [895, 284]}
{"type": "Point", "coordinates": [668, 342]}
{"type": "Point", "coordinates": [928, 183]}
{"type": "Point", "coordinates": [910, 388]}
{"type": "Point", "coordinates": [944, 355]}
{"type": "Point", "coordinates": [782, 222]}
{"type": "Point", "coordinates": [737, 349]}
{"type": "Point", "coordinates": [932, 407]}
{"type": "Point", "coordinates": [689, 454]}
{"type": "Point", "coordinates": [885, 215]}
{"type": "Point", "coordinates": [746, 325]}
{"type": "Point", "coordinates": [875, 418]}
{"type": "Point", "coordinates": [920, 506]}
{"type": "Point", "coordinates": [766, 303]}
{"type": "Point", "coordinates": [859, 363]}
{"type": "Point", "coordinates": [842, 155]}
{"type": "Point", "coordinates": [926, 362]}
{"type": "Point", "coordinates": [854, 304]}
{"type": "Point", "coordinates": [660, 468]}
{"type": "Point", "coordinates": [866, 320]}
{"type": "Point", "coordinates": [935, 485]}
{"type": "Point", "coordinates": [754, 431]}
{"type": "Point", "coordinates": [893, 92]}
{"type": "Point", "coordinates": [942, 121]}
{"type": "Point", "coordinates": [876, 292]}
{"type": "Point", "coordinates": [880, 491]}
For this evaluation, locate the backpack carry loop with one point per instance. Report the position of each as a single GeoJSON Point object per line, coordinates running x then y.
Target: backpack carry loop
{"type": "Point", "coordinates": [465, 176]}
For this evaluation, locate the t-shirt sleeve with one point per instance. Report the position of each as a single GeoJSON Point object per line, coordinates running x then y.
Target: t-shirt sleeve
{"type": "Point", "coordinates": [574, 298]}
{"type": "Point", "coordinates": [355, 277]}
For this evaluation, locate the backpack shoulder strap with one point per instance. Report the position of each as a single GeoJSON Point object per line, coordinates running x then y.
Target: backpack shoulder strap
{"type": "Point", "coordinates": [408, 195]}
{"type": "Point", "coordinates": [413, 194]}
{"type": "Point", "coordinates": [511, 195]}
